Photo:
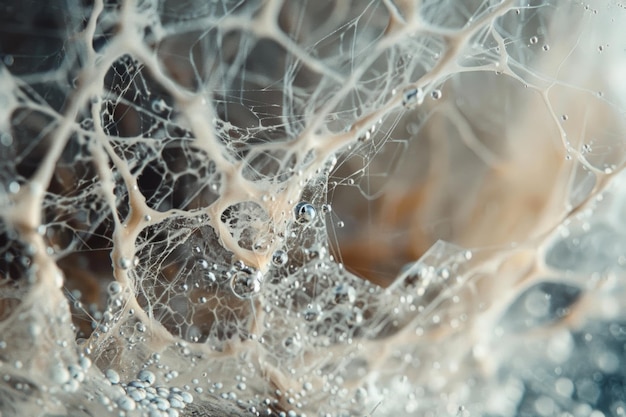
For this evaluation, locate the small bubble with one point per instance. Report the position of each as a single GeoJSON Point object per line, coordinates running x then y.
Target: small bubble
{"type": "Point", "coordinates": [534, 40]}
{"type": "Point", "coordinates": [246, 284]}
{"type": "Point", "coordinates": [8, 60]}
{"type": "Point", "coordinates": [59, 374]}
{"type": "Point", "coordinates": [304, 212]}
{"type": "Point", "coordinates": [146, 376]}
{"type": "Point", "coordinates": [279, 258]}
{"type": "Point", "coordinates": [158, 106]}
{"type": "Point", "coordinates": [312, 312]}
{"type": "Point", "coordinates": [326, 208]}
{"type": "Point", "coordinates": [412, 97]}
{"type": "Point", "coordinates": [112, 376]}
{"type": "Point", "coordinates": [292, 344]}
{"type": "Point", "coordinates": [6, 139]}
{"type": "Point", "coordinates": [114, 288]}
{"type": "Point", "coordinates": [126, 403]}
{"type": "Point", "coordinates": [340, 224]}
{"type": "Point", "coordinates": [564, 117]}
{"type": "Point", "coordinates": [436, 94]}
{"type": "Point", "coordinates": [546, 48]}
{"type": "Point", "coordinates": [124, 263]}
{"type": "Point", "coordinates": [14, 187]}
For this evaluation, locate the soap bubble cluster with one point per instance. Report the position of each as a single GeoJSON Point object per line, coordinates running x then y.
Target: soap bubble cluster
{"type": "Point", "coordinates": [312, 208]}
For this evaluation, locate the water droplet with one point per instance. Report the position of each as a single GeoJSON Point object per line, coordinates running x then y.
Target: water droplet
{"type": "Point", "coordinates": [292, 344]}
{"type": "Point", "coordinates": [14, 187]}
{"type": "Point", "coordinates": [304, 212]}
{"type": "Point", "coordinates": [326, 208]}
{"type": "Point", "coordinates": [158, 106]}
{"type": "Point", "coordinates": [344, 292]}
{"type": "Point", "coordinates": [6, 139]}
{"type": "Point", "coordinates": [312, 312]}
{"type": "Point", "coordinates": [246, 283]}
{"type": "Point", "coordinates": [112, 376]}
{"type": "Point", "coordinates": [534, 40]}
{"type": "Point", "coordinates": [59, 374]}
{"type": "Point", "coordinates": [114, 288]}
{"type": "Point", "coordinates": [279, 258]}
{"type": "Point", "coordinates": [436, 94]}
{"type": "Point", "coordinates": [126, 403]}
{"type": "Point", "coordinates": [146, 376]}
{"type": "Point", "coordinates": [124, 263]}
{"type": "Point", "coordinates": [546, 47]}
{"type": "Point", "coordinates": [412, 97]}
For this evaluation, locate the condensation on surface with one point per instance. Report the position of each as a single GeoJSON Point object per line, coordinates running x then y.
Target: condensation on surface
{"type": "Point", "coordinates": [312, 208]}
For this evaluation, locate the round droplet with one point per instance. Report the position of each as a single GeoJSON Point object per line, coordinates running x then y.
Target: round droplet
{"type": "Point", "coordinates": [140, 327]}
{"type": "Point", "coordinates": [326, 208]}
{"type": "Point", "coordinates": [158, 106]}
{"type": "Point", "coordinates": [436, 94]}
{"type": "Point", "coordinates": [292, 344]}
{"type": "Point", "coordinates": [279, 258]}
{"type": "Point", "coordinates": [187, 397]}
{"type": "Point", "coordinates": [246, 284]}
{"type": "Point", "coordinates": [412, 97]}
{"type": "Point", "coordinates": [534, 40]}
{"type": "Point", "coordinates": [124, 263]}
{"type": "Point", "coordinates": [312, 312]}
{"type": "Point", "coordinates": [304, 212]}
{"type": "Point", "coordinates": [126, 403]}
{"type": "Point", "coordinates": [146, 376]}
{"type": "Point", "coordinates": [114, 288]}
{"type": "Point", "coordinates": [59, 374]}
{"type": "Point", "coordinates": [112, 376]}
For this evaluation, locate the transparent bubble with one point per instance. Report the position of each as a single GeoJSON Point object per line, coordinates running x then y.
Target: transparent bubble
{"type": "Point", "coordinates": [146, 376]}
{"type": "Point", "coordinates": [312, 312]}
{"type": "Point", "coordinates": [280, 258]}
{"type": "Point", "coordinates": [412, 97]}
{"type": "Point", "coordinates": [112, 376]}
{"type": "Point", "coordinates": [114, 288]}
{"type": "Point", "coordinates": [304, 212]}
{"type": "Point", "coordinates": [246, 283]}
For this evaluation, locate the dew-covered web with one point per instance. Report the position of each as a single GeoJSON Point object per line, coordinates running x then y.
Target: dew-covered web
{"type": "Point", "coordinates": [312, 208]}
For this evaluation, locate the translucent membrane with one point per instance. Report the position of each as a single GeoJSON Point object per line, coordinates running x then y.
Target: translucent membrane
{"type": "Point", "coordinates": [320, 208]}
